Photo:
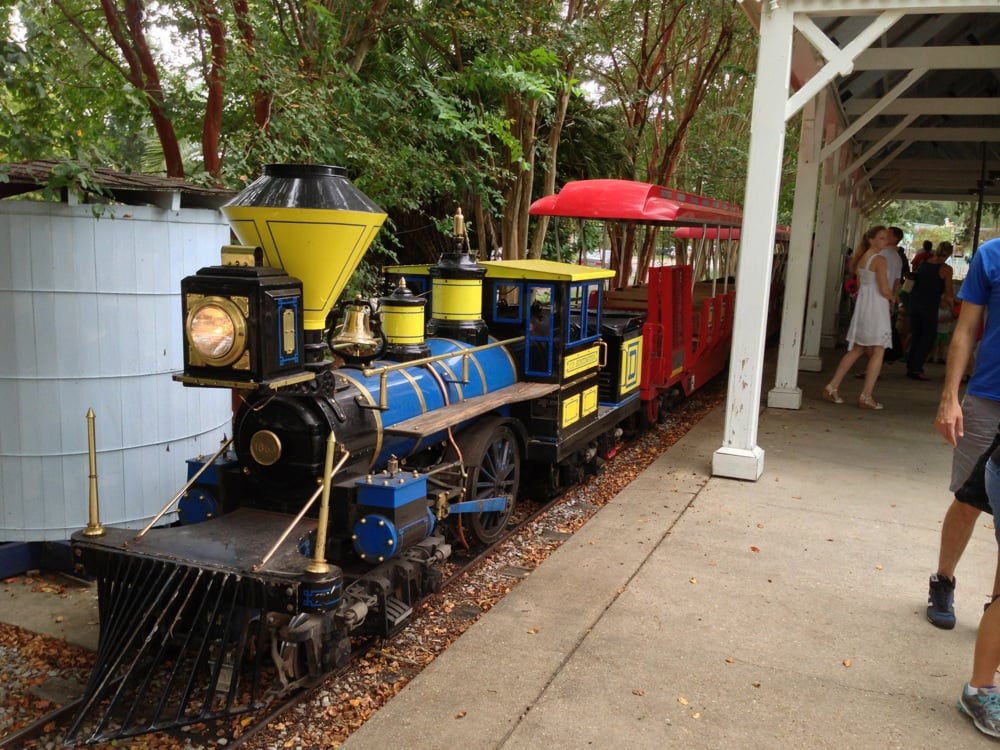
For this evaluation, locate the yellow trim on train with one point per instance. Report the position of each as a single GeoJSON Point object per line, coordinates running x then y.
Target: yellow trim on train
{"type": "Point", "coordinates": [372, 401]}
{"type": "Point", "coordinates": [421, 400]}
{"type": "Point", "coordinates": [631, 365]}
{"type": "Point", "coordinates": [419, 269]}
{"type": "Point", "coordinates": [588, 401]}
{"type": "Point", "coordinates": [457, 299]}
{"type": "Point", "coordinates": [405, 323]}
{"type": "Point", "coordinates": [543, 270]}
{"type": "Point", "coordinates": [510, 358]}
{"type": "Point", "coordinates": [450, 378]}
{"type": "Point", "coordinates": [538, 270]}
{"type": "Point", "coordinates": [570, 410]}
{"type": "Point", "coordinates": [309, 243]}
{"type": "Point", "coordinates": [574, 364]}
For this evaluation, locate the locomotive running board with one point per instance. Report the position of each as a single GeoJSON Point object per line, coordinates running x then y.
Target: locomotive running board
{"type": "Point", "coordinates": [440, 419]}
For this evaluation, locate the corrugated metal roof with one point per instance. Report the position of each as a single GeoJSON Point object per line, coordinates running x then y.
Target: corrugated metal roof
{"type": "Point", "coordinates": [128, 188]}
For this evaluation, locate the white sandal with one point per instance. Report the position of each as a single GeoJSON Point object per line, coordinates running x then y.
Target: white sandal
{"type": "Point", "coordinates": [867, 402]}
{"type": "Point", "coordinates": [832, 395]}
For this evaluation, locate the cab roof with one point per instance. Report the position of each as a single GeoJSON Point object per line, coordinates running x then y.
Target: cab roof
{"type": "Point", "coordinates": [541, 270]}
{"type": "Point", "coordinates": [544, 270]}
{"type": "Point", "coordinates": [627, 200]}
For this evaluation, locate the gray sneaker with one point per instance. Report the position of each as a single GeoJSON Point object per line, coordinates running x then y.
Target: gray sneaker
{"type": "Point", "coordinates": [983, 708]}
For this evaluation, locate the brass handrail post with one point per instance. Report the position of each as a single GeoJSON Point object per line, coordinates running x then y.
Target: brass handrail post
{"type": "Point", "coordinates": [305, 508]}
{"type": "Point", "coordinates": [180, 493]}
{"type": "Point", "coordinates": [94, 527]}
{"type": "Point", "coordinates": [319, 564]}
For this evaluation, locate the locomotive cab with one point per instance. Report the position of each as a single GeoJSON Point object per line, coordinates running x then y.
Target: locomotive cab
{"type": "Point", "coordinates": [556, 310]}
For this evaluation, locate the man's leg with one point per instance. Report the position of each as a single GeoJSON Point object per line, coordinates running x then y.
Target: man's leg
{"type": "Point", "coordinates": [979, 698]}
{"type": "Point", "coordinates": [980, 417]}
{"type": "Point", "coordinates": [956, 530]}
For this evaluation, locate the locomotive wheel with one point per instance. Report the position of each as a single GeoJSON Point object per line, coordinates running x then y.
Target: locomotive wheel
{"type": "Point", "coordinates": [493, 461]}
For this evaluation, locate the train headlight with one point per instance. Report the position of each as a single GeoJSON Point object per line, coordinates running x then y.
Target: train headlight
{"type": "Point", "coordinates": [243, 328]}
{"type": "Point", "coordinates": [216, 329]}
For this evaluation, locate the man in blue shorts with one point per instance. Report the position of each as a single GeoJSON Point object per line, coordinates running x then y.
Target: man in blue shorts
{"type": "Point", "coordinates": [968, 424]}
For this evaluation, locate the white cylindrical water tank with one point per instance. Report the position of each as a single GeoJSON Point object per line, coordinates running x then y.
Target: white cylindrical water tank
{"type": "Point", "coordinates": [90, 318]}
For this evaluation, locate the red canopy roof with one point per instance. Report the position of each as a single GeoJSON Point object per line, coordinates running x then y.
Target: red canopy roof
{"type": "Point", "coordinates": [625, 200]}
{"type": "Point", "coordinates": [694, 233]}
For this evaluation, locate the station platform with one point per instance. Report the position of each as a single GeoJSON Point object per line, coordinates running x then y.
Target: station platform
{"type": "Point", "coordinates": [701, 612]}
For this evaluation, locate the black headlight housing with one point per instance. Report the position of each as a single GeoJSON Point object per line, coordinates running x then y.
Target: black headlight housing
{"type": "Point", "coordinates": [243, 328]}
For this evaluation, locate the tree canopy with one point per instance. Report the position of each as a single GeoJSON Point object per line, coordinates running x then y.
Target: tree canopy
{"type": "Point", "coordinates": [483, 104]}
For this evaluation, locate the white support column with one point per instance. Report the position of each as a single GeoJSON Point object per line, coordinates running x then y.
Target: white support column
{"type": "Point", "coordinates": [810, 361]}
{"type": "Point", "coordinates": [838, 228]}
{"type": "Point", "coordinates": [740, 457]}
{"type": "Point", "coordinates": [854, 223]}
{"type": "Point", "coordinates": [786, 393]}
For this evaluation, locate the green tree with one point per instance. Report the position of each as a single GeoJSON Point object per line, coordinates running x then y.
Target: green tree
{"type": "Point", "coordinates": [659, 64]}
{"type": "Point", "coordinates": [430, 106]}
{"type": "Point", "coordinates": [58, 100]}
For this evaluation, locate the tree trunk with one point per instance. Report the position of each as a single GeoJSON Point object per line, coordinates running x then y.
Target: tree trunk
{"type": "Point", "coordinates": [261, 99]}
{"type": "Point", "coordinates": [215, 82]}
{"type": "Point", "coordinates": [363, 39]}
{"type": "Point", "coordinates": [517, 195]}
{"type": "Point", "coordinates": [145, 77]}
{"type": "Point", "coordinates": [555, 135]}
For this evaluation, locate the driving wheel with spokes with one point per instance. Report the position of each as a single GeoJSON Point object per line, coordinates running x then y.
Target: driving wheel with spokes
{"type": "Point", "coordinates": [492, 458]}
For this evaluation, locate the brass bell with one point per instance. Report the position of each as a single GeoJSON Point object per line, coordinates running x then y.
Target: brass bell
{"type": "Point", "coordinates": [355, 338]}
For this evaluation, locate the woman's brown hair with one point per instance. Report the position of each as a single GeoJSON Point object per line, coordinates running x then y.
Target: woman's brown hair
{"type": "Point", "coordinates": [863, 246]}
{"type": "Point", "coordinates": [944, 250]}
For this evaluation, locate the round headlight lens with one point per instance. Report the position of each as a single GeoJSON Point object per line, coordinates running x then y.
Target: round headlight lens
{"type": "Point", "coordinates": [213, 332]}
{"type": "Point", "coordinates": [216, 331]}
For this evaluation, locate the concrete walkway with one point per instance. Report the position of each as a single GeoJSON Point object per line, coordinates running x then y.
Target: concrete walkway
{"type": "Point", "coordinates": [699, 612]}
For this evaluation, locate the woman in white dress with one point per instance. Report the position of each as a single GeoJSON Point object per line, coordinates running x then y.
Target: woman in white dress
{"type": "Point", "coordinates": [870, 331]}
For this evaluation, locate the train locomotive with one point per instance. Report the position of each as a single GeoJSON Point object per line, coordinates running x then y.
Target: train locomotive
{"type": "Point", "coordinates": [359, 459]}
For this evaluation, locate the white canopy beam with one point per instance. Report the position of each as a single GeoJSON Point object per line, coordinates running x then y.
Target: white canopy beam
{"type": "Point", "coordinates": [875, 147]}
{"type": "Point", "coordinates": [927, 106]}
{"type": "Point", "coordinates": [887, 160]}
{"type": "Point", "coordinates": [914, 75]}
{"type": "Point", "coordinates": [940, 135]}
{"type": "Point", "coordinates": [981, 57]}
{"type": "Point", "coordinates": [842, 61]}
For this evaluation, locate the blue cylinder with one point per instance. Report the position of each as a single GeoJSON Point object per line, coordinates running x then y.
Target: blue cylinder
{"type": "Point", "coordinates": [377, 538]}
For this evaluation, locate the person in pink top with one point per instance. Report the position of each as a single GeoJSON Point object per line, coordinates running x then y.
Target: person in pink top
{"type": "Point", "coordinates": [926, 253]}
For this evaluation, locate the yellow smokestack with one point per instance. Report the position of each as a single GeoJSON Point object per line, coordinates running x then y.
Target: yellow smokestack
{"type": "Point", "coordinates": [310, 221]}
